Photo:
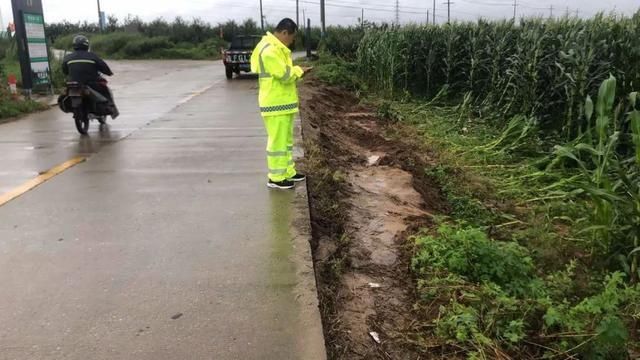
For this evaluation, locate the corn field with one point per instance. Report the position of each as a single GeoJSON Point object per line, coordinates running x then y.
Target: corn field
{"type": "Point", "coordinates": [543, 69]}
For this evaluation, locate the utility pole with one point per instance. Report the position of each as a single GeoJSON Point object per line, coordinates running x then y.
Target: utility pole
{"type": "Point", "coordinates": [397, 12]}
{"type": "Point", "coordinates": [577, 13]}
{"type": "Point", "coordinates": [428, 17]}
{"type": "Point", "coordinates": [99, 16]}
{"type": "Point", "coordinates": [298, 12]}
{"type": "Point", "coordinates": [261, 17]}
{"type": "Point", "coordinates": [322, 18]}
{"type": "Point", "coordinates": [308, 37]}
{"type": "Point", "coordinates": [515, 9]}
{"type": "Point", "coordinates": [448, 3]}
{"type": "Point", "coordinates": [551, 11]}
{"type": "Point", "coordinates": [434, 12]}
{"type": "Point", "coordinates": [362, 18]}
{"type": "Point", "coordinates": [304, 17]}
{"type": "Point", "coordinates": [567, 12]}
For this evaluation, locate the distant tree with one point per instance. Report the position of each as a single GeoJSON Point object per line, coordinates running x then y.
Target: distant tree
{"type": "Point", "coordinates": [250, 27]}
{"type": "Point", "coordinates": [112, 23]}
{"type": "Point", "coordinates": [229, 30]}
{"type": "Point", "coordinates": [133, 24]}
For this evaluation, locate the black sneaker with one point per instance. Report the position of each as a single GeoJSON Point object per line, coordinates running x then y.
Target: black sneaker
{"type": "Point", "coordinates": [298, 178]}
{"type": "Point", "coordinates": [284, 185]}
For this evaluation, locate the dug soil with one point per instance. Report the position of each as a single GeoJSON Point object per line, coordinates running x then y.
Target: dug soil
{"type": "Point", "coordinates": [369, 193]}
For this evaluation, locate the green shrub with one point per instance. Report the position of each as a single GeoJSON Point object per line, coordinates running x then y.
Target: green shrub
{"type": "Point", "coordinates": [110, 45]}
{"type": "Point", "coordinates": [140, 48]}
{"type": "Point", "coordinates": [58, 79]}
{"type": "Point", "coordinates": [469, 253]}
{"type": "Point", "coordinates": [64, 42]}
{"type": "Point", "coordinates": [343, 42]}
{"type": "Point", "coordinates": [495, 300]}
{"type": "Point", "coordinates": [339, 73]}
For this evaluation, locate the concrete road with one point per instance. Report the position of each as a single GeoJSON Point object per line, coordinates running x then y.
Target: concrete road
{"type": "Point", "coordinates": [165, 242]}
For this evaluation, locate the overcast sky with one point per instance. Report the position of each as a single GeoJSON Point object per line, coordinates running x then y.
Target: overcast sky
{"type": "Point", "coordinates": [338, 11]}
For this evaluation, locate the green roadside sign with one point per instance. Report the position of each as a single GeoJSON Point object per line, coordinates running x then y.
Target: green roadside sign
{"type": "Point", "coordinates": [37, 49]}
{"type": "Point", "coordinates": [32, 44]}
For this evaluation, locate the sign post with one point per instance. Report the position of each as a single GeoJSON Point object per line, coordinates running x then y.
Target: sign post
{"type": "Point", "coordinates": [32, 44]}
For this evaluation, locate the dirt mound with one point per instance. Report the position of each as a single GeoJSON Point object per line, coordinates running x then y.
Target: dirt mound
{"type": "Point", "coordinates": [367, 190]}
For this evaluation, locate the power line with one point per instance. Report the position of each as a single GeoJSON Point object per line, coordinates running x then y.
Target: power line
{"type": "Point", "coordinates": [533, 7]}
{"type": "Point", "coordinates": [392, 9]}
{"type": "Point", "coordinates": [376, 4]}
{"type": "Point", "coordinates": [360, 7]}
{"type": "Point", "coordinates": [501, 4]}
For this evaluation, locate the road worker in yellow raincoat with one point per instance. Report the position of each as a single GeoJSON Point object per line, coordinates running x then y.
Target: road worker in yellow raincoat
{"type": "Point", "coordinates": [278, 99]}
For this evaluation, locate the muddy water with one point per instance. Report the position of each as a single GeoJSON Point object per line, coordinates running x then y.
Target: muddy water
{"type": "Point", "coordinates": [383, 197]}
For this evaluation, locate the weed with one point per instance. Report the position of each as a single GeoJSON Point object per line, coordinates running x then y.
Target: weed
{"type": "Point", "coordinates": [497, 302]}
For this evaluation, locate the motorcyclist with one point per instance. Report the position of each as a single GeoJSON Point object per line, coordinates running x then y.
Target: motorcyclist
{"type": "Point", "coordinates": [85, 67]}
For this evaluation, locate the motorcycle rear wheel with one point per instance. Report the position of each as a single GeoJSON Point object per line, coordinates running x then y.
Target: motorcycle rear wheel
{"type": "Point", "coordinates": [82, 121]}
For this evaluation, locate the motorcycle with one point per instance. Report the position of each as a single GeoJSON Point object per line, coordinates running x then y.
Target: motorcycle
{"type": "Point", "coordinates": [86, 104]}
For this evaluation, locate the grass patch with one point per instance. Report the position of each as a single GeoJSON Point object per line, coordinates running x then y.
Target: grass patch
{"type": "Point", "coordinates": [12, 108]}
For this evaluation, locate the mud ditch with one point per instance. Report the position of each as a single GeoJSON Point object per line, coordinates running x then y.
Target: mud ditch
{"type": "Point", "coordinates": [368, 192]}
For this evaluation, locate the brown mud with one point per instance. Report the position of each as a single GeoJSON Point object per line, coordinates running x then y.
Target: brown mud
{"type": "Point", "coordinates": [368, 193]}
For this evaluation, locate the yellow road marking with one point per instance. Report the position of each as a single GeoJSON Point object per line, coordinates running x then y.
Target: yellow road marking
{"type": "Point", "coordinates": [194, 95]}
{"type": "Point", "coordinates": [41, 179]}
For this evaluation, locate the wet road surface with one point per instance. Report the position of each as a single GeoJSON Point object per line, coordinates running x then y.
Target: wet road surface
{"type": "Point", "coordinates": [165, 242]}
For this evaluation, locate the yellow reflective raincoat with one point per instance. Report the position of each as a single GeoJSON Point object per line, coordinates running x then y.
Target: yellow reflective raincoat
{"type": "Point", "coordinates": [272, 60]}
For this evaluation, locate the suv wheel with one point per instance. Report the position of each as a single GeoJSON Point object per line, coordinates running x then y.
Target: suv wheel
{"type": "Point", "coordinates": [229, 70]}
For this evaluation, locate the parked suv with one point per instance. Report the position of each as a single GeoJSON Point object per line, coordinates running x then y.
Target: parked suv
{"type": "Point", "coordinates": [238, 57]}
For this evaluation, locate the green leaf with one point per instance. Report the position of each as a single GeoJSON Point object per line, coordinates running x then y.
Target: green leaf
{"type": "Point", "coordinates": [612, 331]}
{"type": "Point", "coordinates": [633, 98]}
{"type": "Point", "coordinates": [590, 149]}
{"type": "Point", "coordinates": [593, 229]}
{"type": "Point", "coordinates": [635, 130]}
{"type": "Point", "coordinates": [552, 317]}
{"type": "Point", "coordinates": [606, 96]}
{"type": "Point", "coordinates": [588, 108]}
{"type": "Point", "coordinates": [624, 263]}
{"type": "Point", "coordinates": [602, 123]}
{"type": "Point", "coordinates": [567, 152]}
{"type": "Point", "coordinates": [601, 194]}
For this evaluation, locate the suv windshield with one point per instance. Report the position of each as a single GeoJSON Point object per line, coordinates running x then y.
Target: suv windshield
{"type": "Point", "coordinates": [245, 42]}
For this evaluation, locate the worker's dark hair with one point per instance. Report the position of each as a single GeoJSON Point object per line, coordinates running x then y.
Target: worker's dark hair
{"type": "Point", "coordinates": [287, 25]}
